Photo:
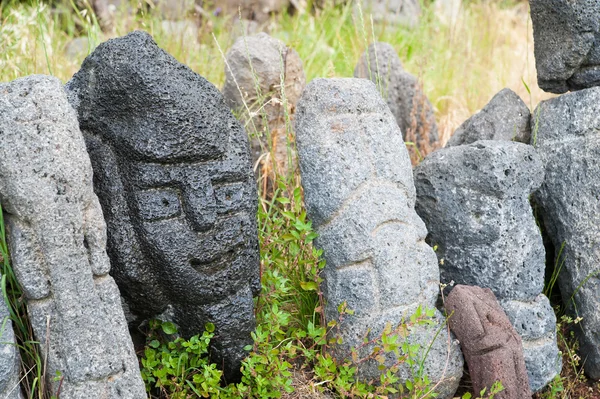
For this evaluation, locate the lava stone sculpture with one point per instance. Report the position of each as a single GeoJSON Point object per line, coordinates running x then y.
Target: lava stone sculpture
{"type": "Point", "coordinates": [57, 241]}
{"type": "Point", "coordinates": [403, 93]}
{"type": "Point", "coordinates": [173, 175]}
{"type": "Point", "coordinates": [492, 348]}
{"type": "Point", "coordinates": [568, 142]}
{"type": "Point", "coordinates": [566, 38]}
{"type": "Point", "coordinates": [360, 196]}
{"type": "Point", "coordinates": [474, 199]}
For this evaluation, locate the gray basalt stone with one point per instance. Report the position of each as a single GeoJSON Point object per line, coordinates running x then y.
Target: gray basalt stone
{"type": "Point", "coordinates": [566, 37]}
{"type": "Point", "coordinates": [474, 200]}
{"type": "Point", "coordinates": [10, 361]}
{"type": "Point", "coordinates": [253, 76]}
{"type": "Point", "coordinates": [505, 117]}
{"type": "Point", "coordinates": [411, 108]}
{"type": "Point", "coordinates": [568, 141]}
{"type": "Point", "coordinates": [360, 197]}
{"type": "Point", "coordinates": [57, 239]}
{"type": "Point", "coordinates": [173, 175]}
{"type": "Point", "coordinates": [492, 348]}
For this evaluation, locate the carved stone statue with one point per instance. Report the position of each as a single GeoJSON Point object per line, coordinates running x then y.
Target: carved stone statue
{"type": "Point", "coordinates": [57, 240]}
{"type": "Point", "coordinates": [492, 348]}
{"type": "Point", "coordinates": [173, 175]}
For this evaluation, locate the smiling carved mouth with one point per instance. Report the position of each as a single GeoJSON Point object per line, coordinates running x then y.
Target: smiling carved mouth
{"type": "Point", "coordinates": [215, 264]}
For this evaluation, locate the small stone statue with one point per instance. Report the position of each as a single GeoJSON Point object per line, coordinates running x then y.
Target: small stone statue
{"type": "Point", "coordinates": [172, 172]}
{"type": "Point", "coordinates": [57, 242]}
{"type": "Point", "coordinates": [492, 348]}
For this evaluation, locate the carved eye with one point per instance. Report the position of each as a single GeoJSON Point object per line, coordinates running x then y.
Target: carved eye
{"type": "Point", "coordinates": [158, 203]}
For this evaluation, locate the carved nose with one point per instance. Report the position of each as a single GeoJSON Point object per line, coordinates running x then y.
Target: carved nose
{"type": "Point", "coordinates": [200, 207]}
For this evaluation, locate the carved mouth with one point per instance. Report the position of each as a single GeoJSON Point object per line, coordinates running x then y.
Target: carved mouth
{"type": "Point", "coordinates": [214, 265]}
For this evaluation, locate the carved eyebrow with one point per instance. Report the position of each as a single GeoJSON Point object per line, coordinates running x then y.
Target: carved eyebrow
{"type": "Point", "coordinates": [148, 175]}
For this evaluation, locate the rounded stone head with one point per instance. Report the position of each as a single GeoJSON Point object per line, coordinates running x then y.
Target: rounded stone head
{"type": "Point", "coordinates": [173, 174]}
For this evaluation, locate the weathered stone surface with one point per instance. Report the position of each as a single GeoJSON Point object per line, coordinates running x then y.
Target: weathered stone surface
{"type": "Point", "coordinates": [505, 117]}
{"type": "Point", "coordinates": [405, 12]}
{"type": "Point", "coordinates": [253, 79]}
{"type": "Point", "coordinates": [491, 346]}
{"type": "Point", "coordinates": [568, 141]}
{"type": "Point", "coordinates": [10, 361]}
{"type": "Point", "coordinates": [411, 108]}
{"type": "Point", "coordinates": [57, 240]}
{"type": "Point", "coordinates": [172, 172]}
{"type": "Point", "coordinates": [474, 200]}
{"type": "Point", "coordinates": [360, 197]}
{"type": "Point", "coordinates": [566, 37]}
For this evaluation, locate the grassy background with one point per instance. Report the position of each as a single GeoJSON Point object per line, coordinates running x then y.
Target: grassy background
{"type": "Point", "coordinates": [461, 63]}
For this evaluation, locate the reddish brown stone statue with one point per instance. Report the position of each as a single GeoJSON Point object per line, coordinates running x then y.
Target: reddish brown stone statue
{"type": "Point", "coordinates": [492, 348]}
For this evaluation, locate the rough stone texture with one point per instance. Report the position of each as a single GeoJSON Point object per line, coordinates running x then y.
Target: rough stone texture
{"type": "Point", "coordinates": [360, 197]}
{"type": "Point", "coordinates": [10, 362]}
{"type": "Point", "coordinates": [474, 200]}
{"type": "Point", "coordinates": [172, 172]}
{"type": "Point", "coordinates": [57, 243]}
{"type": "Point", "coordinates": [491, 346]}
{"type": "Point", "coordinates": [405, 12]}
{"type": "Point", "coordinates": [505, 117]}
{"type": "Point", "coordinates": [411, 108]}
{"type": "Point", "coordinates": [566, 37]}
{"type": "Point", "coordinates": [264, 57]}
{"type": "Point", "coordinates": [568, 141]}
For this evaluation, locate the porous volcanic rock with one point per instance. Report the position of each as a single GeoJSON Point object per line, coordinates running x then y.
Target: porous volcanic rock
{"type": "Point", "coordinates": [474, 200]}
{"type": "Point", "coordinates": [566, 38]}
{"type": "Point", "coordinates": [407, 101]}
{"type": "Point", "coordinates": [492, 348]}
{"type": "Point", "coordinates": [568, 142]}
{"type": "Point", "coordinates": [172, 172]}
{"type": "Point", "coordinates": [505, 117]}
{"type": "Point", "coordinates": [57, 240]}
{"type": "Point", "coordinates": [253, 76]}
{"type": "Point", "coordinates": [360, 196]}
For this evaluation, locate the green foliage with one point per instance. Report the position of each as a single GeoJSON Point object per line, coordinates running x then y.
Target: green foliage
{"type": "Point", "coordinates": [180, 367]}
{"type": "Point", "coordinates": [34, 379]}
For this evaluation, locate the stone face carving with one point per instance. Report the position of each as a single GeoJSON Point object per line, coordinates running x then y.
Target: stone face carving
{"type": "Point", "coordinates": [505, 117]}
{"type": "Point", "coordinates": [10, 362]}
{"type": "Point", "coordinates": [566, 37]}
{"type": "Point", "coordinates": [568, 141]}
{"type": "Point", "coordinates": [491, 346]}
{"type": "Point", "coordinates": [360, 196]}
{"type": "Point", "coordinates": [253, 75]}
{"type": "Point", "coordinates": [411, 108]}
{"type": "Point", "coordinates": [474, 200]}
{"type": "Point", "coordinates": [172, 172]}
{"type": "Point", "coordinates": [57, 239]}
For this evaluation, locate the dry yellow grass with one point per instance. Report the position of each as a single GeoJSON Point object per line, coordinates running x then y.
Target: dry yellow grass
{"type": "Point", "coordinates": [461, 64]}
